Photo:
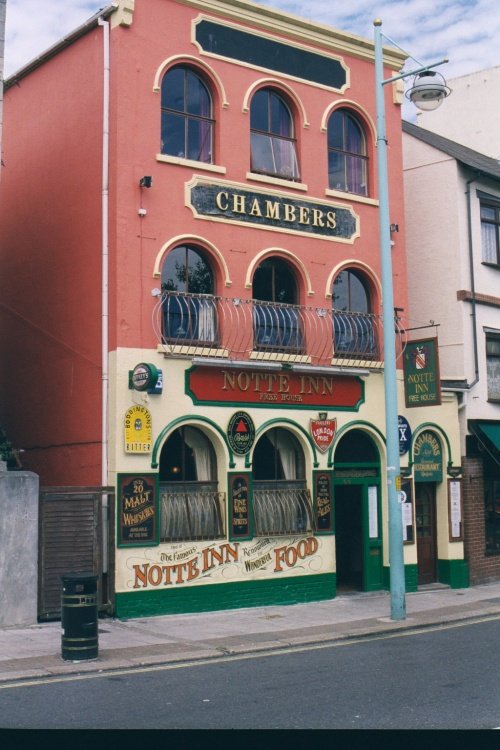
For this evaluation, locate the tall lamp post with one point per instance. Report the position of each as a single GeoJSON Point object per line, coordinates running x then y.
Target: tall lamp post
{"type": "Point", "coordinates": [427, 92]}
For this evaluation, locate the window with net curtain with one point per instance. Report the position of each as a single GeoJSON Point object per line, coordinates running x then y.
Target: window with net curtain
{"type": "Point", "coordinates": [353, 321]}
{"type": "Point", "coordinates": [490, 231]}
{"type": "Point", "coordinates": [189, 312]}
{"type": "Point", "coordinates": [347, 157]}
{"type": "Point", "coordinates": [282, 503]}
{"type": "Point", "coordinates": [272, 139]}
{"type": "Point", "coordinates": [277, 324]}
{"type": "Point", "coordinates": [186, 116]}
{"type": "Point", "coordinates": [190, 503]}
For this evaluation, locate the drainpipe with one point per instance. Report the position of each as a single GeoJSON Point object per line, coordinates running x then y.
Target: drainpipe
{"type": "Point", "coordinates": [105, 289]}
{"type": "Point", "coordinates": [472, 286]}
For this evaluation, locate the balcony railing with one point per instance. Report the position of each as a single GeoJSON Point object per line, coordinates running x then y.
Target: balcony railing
{"type": "Point", "coordinates": [287, 510]}
{"type": "Point", "coordinates": [211, 326]}
{"type": "Point", "coordinates": [191, 512]}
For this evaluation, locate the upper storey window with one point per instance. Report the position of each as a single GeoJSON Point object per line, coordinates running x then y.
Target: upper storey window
{"type": "Point", "coordinates": [347, 159]}
{"type": "Point", "coordinates": [490, 231]}
{"type": "Point", "coordinates": [273, 150]}
{"type": "Point", "coordinates": [186, 116]}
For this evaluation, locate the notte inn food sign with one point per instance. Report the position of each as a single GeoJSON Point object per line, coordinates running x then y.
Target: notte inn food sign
{"type": "Point", "coordinates": [270, 210]}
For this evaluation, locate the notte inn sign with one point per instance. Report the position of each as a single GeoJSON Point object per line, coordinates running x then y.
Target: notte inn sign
{"type": "Point", "coordinates": [269, 210]}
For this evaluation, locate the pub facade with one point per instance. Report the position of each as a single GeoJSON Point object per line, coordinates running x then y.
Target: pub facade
{"type": "Point", "coordinates": [229, 378]}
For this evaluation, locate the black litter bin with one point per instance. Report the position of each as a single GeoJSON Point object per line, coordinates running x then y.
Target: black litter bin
{"type": "Point", "coordinates": [79, 616]}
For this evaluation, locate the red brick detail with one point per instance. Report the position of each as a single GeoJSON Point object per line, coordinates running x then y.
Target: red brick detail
{"type": "Point", "coordinates": [482, 567]}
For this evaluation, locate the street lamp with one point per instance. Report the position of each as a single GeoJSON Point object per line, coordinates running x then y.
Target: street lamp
{"type": "Point", "coordinates": [427, 92]}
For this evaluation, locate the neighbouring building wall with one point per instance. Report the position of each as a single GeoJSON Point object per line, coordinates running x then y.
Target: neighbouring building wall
{"type": "Point", "coordinates": [50, 251]}
{"type": "Point", "coordinates": [471, 114]}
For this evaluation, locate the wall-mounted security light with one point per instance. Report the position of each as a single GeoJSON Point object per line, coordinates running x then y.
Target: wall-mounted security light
{"type": "Point", "coordinates": [146, 182]}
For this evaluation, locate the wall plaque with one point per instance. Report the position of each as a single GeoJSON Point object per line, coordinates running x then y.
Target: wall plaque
{"type": "Point", "coordinates": [275, 211]}
{"type": "Point", "coordinates": [241, 433]}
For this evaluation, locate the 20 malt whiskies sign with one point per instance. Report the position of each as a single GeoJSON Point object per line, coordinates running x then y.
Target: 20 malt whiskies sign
{"type": "Point", "coordinates": [237, 204]}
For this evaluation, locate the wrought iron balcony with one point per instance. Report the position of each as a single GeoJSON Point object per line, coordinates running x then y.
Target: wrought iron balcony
{"type": "Point", "coordinates": [190, 512]}
{"type": "Point", "coordinates": [189, 325]}
{"type": "Point", "coordinates": [287, 510]}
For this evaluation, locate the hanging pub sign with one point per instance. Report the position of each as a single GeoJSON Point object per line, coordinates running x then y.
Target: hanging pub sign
{"type": "Point", "coordinates": [261, 388]}
{"type": "Point", "coordinates": [240, 490]}
{"type": "Point", "coordinates": [138, 430]}
{"type": "Point", "coordinates": [421, 373]}
{"type": "Point", "coordinates": [137, 517]}
{"type": "Point", "coordinates": [323, 432]}
{"type": "Point", "coordinates": [241, 433]}
{"type": "Point", "coordinates": [427, 458]}
{"type": "Point", "coordinates": [323, 496]}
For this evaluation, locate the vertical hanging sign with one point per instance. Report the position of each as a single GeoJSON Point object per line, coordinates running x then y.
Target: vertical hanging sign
{"type": "Point", "coordinates": [239, 498]}
{"type": "Point", "coordinates": [137, 516]}
{"type": "Point", "coordinates": [421, 373]}
{"type": "Point", "coordinates": [323, 502]}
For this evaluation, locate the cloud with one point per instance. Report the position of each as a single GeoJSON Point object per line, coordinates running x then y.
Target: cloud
{"type": "Point", "coordinates": [466, 31]}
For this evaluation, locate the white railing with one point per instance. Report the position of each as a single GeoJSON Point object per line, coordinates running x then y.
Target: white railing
{"type": "Point", "coordinates": [211, 326]}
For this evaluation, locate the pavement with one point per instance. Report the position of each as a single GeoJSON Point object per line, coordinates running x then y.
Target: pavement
{"type": "Point", "coordinates": [34, 651]}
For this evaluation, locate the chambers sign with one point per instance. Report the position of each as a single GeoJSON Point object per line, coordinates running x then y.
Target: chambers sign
{"type": "Point", "coordinates": [235, 204]}
{"type": "Point", "coordinates": [210, 385]}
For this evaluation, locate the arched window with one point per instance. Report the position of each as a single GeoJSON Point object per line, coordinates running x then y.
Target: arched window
{"type": "Point", "coordinates": [190, 504]}
{"type": "Point", "coordinates": [186, 116]}
{"type": "Point", "coordinates": [189, 308]}
{"type": "Point", "coordinates": [282, 503]}
{"type": "Point", "coordinates": [273, 150]}
{"type": "Point", "coordinates": [277, 322]}
{"type": "Point", "coordinates": [354, 324]}
{"type": "Point", "coordinates": [347, 158]}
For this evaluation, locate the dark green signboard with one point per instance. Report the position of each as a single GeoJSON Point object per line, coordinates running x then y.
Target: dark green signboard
{"type": "Point", "coordinates": [427, 458]}
{"type": "Point", "coordinates": [323, 501]}
{"type": "Point", "coordinates": [263, 52]}
{"type": "Point", "coordinates": [240, 498]}
{"type": "Point", "coordinates": [138, 516]}
{"type": "Point", "coordinates": [225, 202]}
{"type": "Point", "coordinates": [421, 373]}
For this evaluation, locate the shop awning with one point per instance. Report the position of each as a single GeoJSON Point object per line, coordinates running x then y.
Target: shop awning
{"type": "Point", "coordinates": [488, 432]}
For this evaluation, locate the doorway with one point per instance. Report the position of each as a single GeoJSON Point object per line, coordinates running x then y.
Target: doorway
{"type": "Point", "coordinates": [349, 536]}
{"type": "Point", "coordinates": [425, 507]}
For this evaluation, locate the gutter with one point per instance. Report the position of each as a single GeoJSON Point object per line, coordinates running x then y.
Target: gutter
{"type": "Point", "coordinates": [472, 285]}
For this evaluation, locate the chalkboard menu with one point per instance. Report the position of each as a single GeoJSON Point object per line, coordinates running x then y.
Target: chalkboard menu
{"type": "Point", "coordinates": [323, 505]}
{"type": "Point", "coordinates": [137, 515]}
{"type": "Point", "coordinates": [240, 491]}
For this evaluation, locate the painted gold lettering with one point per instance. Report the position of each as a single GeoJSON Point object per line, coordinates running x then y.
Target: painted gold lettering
{"type": "Point", "coordinates": [222, 201]}
{"type": "Point", "coordinates": [239, 204]}
{"type": "Point", "coordinates": [318, 220]}
{"type": "Point", "coordinates": [284, 385]}
{"type": "Point", "coordinates": [255, 209]}
{"type": "Point", "coordinates": [228, 380]}
{"type": "Point", "coordinates": [331, 220]}
{"type": "Point", "coordinates": [290, 213]}
{"type": "Point", "coordinates": [304, 217]}
{"type": "Point", "coordinates": [272, 210]}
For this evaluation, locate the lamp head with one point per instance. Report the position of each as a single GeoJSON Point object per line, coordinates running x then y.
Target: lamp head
{"type": "Point", "coordinates": [428, 91]}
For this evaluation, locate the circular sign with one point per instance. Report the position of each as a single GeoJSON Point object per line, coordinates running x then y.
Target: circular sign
{"type": "Point", "coordinates": [144, 376]}
{"type": "Point", "coordinates": [240, 433]}
{"type": "Point", "coordinates": [404, 431]}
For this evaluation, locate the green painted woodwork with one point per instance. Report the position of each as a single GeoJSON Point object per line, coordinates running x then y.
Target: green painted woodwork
{"type": "Point", "coordinates": [208, 598]}
{"type": "Point", "coordinates": [454, 572]}
{"type": "Point", "coordinates": [411, 578]}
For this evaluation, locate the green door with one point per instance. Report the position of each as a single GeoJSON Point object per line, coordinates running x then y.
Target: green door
{"type": "Point", "coordinates": [358, 535]}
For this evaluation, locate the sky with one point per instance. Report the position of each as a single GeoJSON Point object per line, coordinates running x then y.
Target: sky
{"type": "Point", "coordinates": [465, 31]}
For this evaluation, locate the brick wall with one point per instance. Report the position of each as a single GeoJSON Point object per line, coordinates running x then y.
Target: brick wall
{"type": "Point", "coordinates": [482, 567]}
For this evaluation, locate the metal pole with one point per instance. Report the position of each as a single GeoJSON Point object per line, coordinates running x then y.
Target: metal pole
{"type": "Point", "coordinates": [396, 559]}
